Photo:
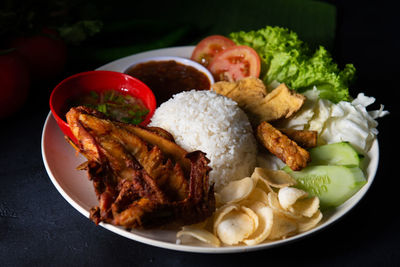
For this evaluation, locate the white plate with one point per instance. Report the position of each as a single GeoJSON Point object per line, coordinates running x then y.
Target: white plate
{"type": "Point", "coordinates": [61, 160]}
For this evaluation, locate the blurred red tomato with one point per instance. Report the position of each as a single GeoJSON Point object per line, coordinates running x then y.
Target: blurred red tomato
{"type": "Point", "coordinates": [14, 82]}
{"type": "Point", "coordinates": [45, 53]}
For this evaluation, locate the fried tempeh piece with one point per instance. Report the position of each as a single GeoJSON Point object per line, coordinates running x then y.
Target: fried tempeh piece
{"type": "Point", "coordinates": [281, 146]}
{"type": "Point", "coordinates": [304, 138]}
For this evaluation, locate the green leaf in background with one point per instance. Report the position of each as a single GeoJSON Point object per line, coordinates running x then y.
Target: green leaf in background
{"type": "Point", "coordinates": [314, 21]}
{"type": "Point", "coordinates": [124, 37]}
{"type": "Point", "coordinates": [80, 31]}
{"type": "Point", "coordinates": [106, 54]}
{"type": "Point", "coordinates": [130, 27]}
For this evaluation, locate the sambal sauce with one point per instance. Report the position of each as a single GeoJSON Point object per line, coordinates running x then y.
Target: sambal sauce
{"type": "Point", "coordinates": [169, 77]}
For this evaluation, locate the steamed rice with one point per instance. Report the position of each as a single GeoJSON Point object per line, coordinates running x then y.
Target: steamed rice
{"type": "Point", "coordinates": [214, 124]}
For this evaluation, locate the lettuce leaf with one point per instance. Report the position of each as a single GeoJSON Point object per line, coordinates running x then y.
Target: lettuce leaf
{"type": "Point", "coordinates": [286, 58]}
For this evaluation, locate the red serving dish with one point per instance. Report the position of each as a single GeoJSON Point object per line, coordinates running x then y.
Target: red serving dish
{"type": "Point", "coordinates": [98, 81]}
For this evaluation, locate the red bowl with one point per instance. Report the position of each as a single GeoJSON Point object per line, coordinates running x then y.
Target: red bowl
{"type": "Point", "coordinates": [98, 81]}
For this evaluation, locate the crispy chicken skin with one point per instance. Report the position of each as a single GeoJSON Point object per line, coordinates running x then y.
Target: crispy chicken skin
{"type": "Point", "coordinates": [141, 177]}
{"type": "Point", "coordinates": [281, 146]}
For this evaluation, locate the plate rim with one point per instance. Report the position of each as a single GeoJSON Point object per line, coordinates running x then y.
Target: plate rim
{"type": "Point", "coordinates": [190, 248]}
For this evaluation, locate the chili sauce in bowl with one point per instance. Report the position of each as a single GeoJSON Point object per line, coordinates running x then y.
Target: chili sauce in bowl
{"type": "Point", "coordinates": [167, 76]}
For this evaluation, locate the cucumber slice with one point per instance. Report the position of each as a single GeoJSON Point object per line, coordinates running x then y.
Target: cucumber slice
{"type": "Point", "coordinates": [341, 153]}
{"type": "Point", "coordinates": [332, 184]}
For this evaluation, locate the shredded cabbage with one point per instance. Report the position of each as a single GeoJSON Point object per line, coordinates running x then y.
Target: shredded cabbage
{"type": "Point", "coordinates": [344, 121]}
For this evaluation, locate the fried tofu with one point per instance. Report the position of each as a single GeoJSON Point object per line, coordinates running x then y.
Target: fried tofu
{"type": "Point", "coordinates": [251, 95]}
{"type": "Point", "coordinates": [280, 103]}
{"type": "Point", "coordinates": [282, 146]}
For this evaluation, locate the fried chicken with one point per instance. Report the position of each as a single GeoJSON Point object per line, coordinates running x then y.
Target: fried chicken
{"type": "Point", "coordinates": [142, 178]}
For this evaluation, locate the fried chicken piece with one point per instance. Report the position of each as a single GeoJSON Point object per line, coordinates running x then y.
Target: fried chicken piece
{"type": "Point", "coordinates": [251, 95]}
{"type": "Point", "coordinates": [304, 138]}
{"type": "Point", "coordinates": [161, 132]}
{"type": "Point", "coordinates": [281, 146]}
{"type": "Point", "coordinates": [140, 178]}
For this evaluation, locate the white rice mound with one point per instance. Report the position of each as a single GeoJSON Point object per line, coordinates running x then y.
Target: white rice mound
{"type": "Point", "coordinates": [214, 124]}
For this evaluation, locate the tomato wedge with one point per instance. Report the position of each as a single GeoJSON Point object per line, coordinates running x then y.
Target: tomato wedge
{"type": "Point", "coordinates": [207, 48]}
{"type": "Point", "coordinates": [235, 63]}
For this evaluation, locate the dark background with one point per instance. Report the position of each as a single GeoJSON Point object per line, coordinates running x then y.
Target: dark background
{"type": "Point", "coordinates": [39, 228]}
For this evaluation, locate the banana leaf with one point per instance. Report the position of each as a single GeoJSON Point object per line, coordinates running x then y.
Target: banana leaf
{"type": "Point", "coordinates": [134, 27]}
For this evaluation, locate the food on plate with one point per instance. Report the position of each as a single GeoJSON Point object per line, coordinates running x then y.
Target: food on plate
{"type": "Point", "coordinates": [244, 91]}
{"type": "Point", "coordinates": [234, 223]}
{"type": "Point", "coordinates": [281, 146]}
{"type": "Point", "coordinates": [287, 59]}
{"type": "Point", "coordinates": [199, 234]}
{"type": "Point", "coordinates": [260, 105]}
{"type": "Point", "coordinates": [333, 184]}
{"type": "Point", "coordinates": [270, 209]}
{"type": "Point", "coordinates": [288, 196]}
{"type": "Point", "coordinates": [334, 173]}
{"type": "Point", "coordinates": [274, 178]}
{"type": "Point", "coordinates": [214, 124]}
{"type": "Point", "coordinates": [226, 60]}
{"type": "Point", "coordinates": [341, 153]}
{"type": "Point", "coordinates": [344, 121]}
{"type": "Point", "coordinates": [265, 223]}
{"type": "Point", "coordinates": [207, 48]}
{"type": "Point", "coordinates": [235, 63]}
{"type": "Point", "coordinates": [141, 179]}
{"type": "Point", "coordinates": [312, 135]}
{"type": "Point", "coordinates": [161, 132]}
{"type": "Point", "coordinates": [304, 138]}
{"type": "Point", "coordinates": [168, 77]}
{"type": "Point", "coordinates": [116, 106]}
{"type": "Point", "coordinates": [236, 190]}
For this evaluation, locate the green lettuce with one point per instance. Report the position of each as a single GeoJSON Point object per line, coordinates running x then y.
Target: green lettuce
{"type": "Point", "coordinates": [286, 58]}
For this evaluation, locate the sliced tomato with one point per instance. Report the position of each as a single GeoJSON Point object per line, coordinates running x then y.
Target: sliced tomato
{"type": "Point", "coordinates": [235, 63]}
{"type": "Point", "coordinates": [207, 48]}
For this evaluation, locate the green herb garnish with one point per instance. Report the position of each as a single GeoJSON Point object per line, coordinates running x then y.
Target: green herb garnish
{"type": "Point", "coordinates": [114, 105]}
{"type": "Point", "coordinates": [102, 108]}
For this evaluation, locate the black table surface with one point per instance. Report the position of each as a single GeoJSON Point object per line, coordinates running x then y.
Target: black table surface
{"type": "Point", "coordinates": [38, 227]}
